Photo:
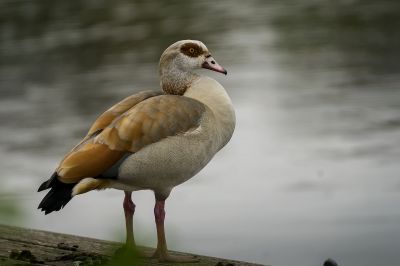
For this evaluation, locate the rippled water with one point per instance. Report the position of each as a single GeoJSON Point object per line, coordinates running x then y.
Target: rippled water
{"type": "Point", "coordinates": [313, 168]}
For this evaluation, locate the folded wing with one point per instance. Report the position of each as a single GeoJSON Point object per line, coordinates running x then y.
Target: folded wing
{"type": "Point", "coordinates": [128, 128]}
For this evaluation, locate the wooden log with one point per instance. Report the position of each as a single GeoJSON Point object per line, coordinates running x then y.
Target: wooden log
{"type": "Point", "coordinates": [21, 246]}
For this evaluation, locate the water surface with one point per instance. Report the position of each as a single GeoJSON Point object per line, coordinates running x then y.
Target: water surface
{"type": "Point", "coordinates": [312, 170]}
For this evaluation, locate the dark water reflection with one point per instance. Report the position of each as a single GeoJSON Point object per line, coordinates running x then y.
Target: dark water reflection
{"type": "Point", "coordinates": [312, 171]}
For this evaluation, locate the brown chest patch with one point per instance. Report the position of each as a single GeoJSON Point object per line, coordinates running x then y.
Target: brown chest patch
{"type": "Point", "coordinates": [174, 89]}
{"type": "Point", "coordinates": [192, 49]}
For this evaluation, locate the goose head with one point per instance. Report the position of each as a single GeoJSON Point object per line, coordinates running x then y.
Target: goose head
{"type": "Point", "coordinates": [179, 62]}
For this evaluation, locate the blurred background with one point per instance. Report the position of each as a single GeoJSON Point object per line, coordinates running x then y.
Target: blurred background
{"type": "Point", "coordinates": [312, 170]}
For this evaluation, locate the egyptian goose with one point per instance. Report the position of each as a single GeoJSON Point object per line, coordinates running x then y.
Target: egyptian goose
{"type": "Point", "coordinates": [152, 140]}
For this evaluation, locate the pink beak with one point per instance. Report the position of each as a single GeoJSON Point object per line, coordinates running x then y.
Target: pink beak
{"type": "Point", "coordinates": [211, 64]}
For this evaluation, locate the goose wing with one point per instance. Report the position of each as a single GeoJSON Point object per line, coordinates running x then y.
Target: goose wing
{"type": "Point", "coordinates": [115, 134]}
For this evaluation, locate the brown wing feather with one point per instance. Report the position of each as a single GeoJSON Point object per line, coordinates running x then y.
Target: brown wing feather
{"type": "Point", "coordinates": [91, 159]}
{"type": "Point", "coordinates": [108, 116]}
{"type": "Point", "coordinates": [151, 121]}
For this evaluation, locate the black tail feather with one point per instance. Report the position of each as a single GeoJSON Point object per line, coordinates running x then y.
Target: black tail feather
{"type": "Point", "coordinates": [58, 196]}
{"type": "Point", "coordinates": [48, 183]}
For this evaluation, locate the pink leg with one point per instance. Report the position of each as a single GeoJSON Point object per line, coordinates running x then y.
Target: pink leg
{"type": "Point", "coordinates": [129, 210]}
{"type": "Point", "coordinates": [159, 215]}
{"type": "Point", "coordinates": [162, 251]}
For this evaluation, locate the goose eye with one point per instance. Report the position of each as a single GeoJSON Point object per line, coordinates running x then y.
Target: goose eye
{"type": "Point", "coordinates": [191, 50]}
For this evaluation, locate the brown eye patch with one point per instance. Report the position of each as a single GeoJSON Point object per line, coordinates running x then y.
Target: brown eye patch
{"type": "Point", "coordinates": [192, 49]}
